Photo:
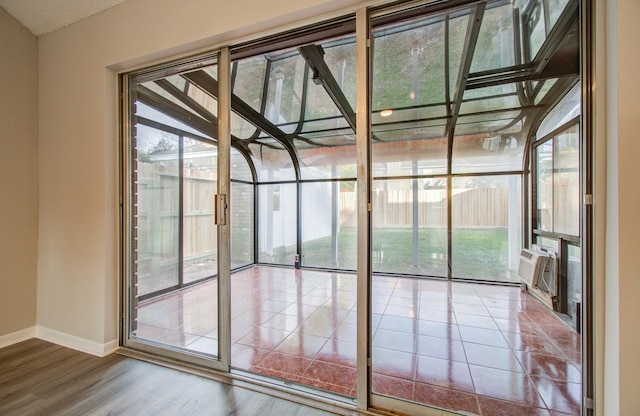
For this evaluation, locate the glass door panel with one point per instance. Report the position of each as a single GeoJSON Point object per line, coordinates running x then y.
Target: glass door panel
{"type": "Point", "coordinates": [173, 238]}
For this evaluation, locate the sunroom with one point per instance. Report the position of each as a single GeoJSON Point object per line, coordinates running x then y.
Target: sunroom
{"type": "Point", "coordinates": [346, 211]}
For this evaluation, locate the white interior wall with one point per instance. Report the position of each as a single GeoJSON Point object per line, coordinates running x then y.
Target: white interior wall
{"type": "Point", "coordinates": [78, 252]}
{"type": "Point", "coordinates": [18, 180]}
{"type": "Point", "coordinates": [622, 279]}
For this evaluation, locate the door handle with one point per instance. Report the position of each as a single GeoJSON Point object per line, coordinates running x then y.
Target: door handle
{"type": "Point", "coordinates": [220, 202]}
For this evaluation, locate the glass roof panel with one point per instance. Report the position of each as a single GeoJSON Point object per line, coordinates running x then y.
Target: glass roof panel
{"type": "Point", "coordinates": [272, 161]}
{"type": "Point", "coordinates": [567, 109]}
{"type": "Point", "coordinates": [492, 91]}
{"type": "Point", "coordinates": [341, 60]}
{"type": "Point", "coordinates": [153, 86]}
{"type": "Point", "coordinates": [241, 128]}
{"type": "Point", "coordinates": [408, 114]}
{"type": "Point", "coordinates": [326, 138]}
{"type": "Point", "coordinates": [537, 28]}
{"type": "Point", "coordinates": [205, 100]}
{"type": "Point", "coordinates": [457, 35]}
{"type": "Point", "coordinates": [249, 81]}
{"type": "Point", "coordinates": [556, 7]}
{"type": "Point", "coordinates": [411, 131]}
{"type": "Point", "coordinates": [284, 98]}
{"type": "Point", "coordinates": [490, 104]}
{"type": "Point", "coordinates": [143, 110]}
{"type": "Point", "coordinates": [319, 103]}
{"type": "Point", "coordinates": [546, 86]}
{"type": "Point", "coordinates": [494, 48]}
{"type": "Point", "coordinates": [325, 124]}
{"type": "Point", "coordinates": [408, 64]}
{"type": "Point", "coordinates": [485, 123]}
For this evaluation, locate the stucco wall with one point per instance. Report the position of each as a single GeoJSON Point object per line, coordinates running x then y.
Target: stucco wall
{"type": "Point", "coordinates": [18, 176]}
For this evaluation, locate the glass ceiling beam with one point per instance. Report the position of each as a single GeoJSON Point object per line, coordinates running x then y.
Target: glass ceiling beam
{"type": "Point", "coordinates": [313, 55]}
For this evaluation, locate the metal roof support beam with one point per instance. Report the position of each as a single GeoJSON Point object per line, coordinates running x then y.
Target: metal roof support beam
{"type": "Point", "coordinates": [210, 85]}
{"type": "Point", "coordinates": [314, 56]}
{"type": "Point", "coordinates": [160, 103]}
{"type": "Point", "coordinates": [473, 29]}
{"type": "Point", "coordinates": [206, 127]}
{"type": "Point", "coordinates": [181, 96]}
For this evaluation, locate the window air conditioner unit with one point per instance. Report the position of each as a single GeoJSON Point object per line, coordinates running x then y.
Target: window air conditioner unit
{"type": "Point", "coordinates": [538, 271]}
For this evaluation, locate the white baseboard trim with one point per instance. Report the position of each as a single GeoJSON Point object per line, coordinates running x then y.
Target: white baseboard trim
{"type": "Point", "coordinates": [18, 336]}
{"type": "Point", "coordinates": [76, 343]}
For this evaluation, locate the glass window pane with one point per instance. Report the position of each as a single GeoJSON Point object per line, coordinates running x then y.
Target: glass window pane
{"type": "Point", "coordinates": [241, 128]}
{"type": "Point", "coordinates": [494, 48]}
{"type": "Point", "coordinates": [199, 240]}
{"type": "Point", "coordinates": [549, 243]}
{"type": "Point", "coordinates": [574, 278]}
{"type": "Point", "coordinates": [249, 80]}
{"type": "Point", "coordinates": [409, 227]}
{"type": "Point", "coordinates": [457, 35]}
{"type": "Point", "coordinates": [240, 167]}
{"type": "Point", "coordinates": [391, 158]}
{"type": "Point", "coordinates": [157, 192]}
{"type": "Point", "coordinates": [340, 57]}
{"type": "Point", "coordinates": [567, 109]}
{"type": "Point", "coordinates": [537, 29]}
{"type": "Point", "coordinates": [408, 64]}
{"type": "Point", "coordinates": [555, 9]}
{"type": "Point", "coordinates": [394, 116]}
{"type": "Point", "coordinates": [566, 182]}
{"type": "Point", "coordinates": [150, 113]}
{"type": "Point", "coordinates": [544, 186]}
{"type": "Point", "coordinates": [494, 145]}
{"type": "Point", "coordinates": [327, 162]}
{"type": "Point", "coordinates": [277, 222]}
{"type": "Point", "coordinates": [504, 102]}
{"type": "Point", "coordinates": [486, 227]}
{"type": "Point", "coordinates": [241, 201]}
{"type": "Point", "coordinates": [272, 161]}
{"type": "Point", "coordinates": [329, 225]}
{"type": "Point", "coordinates": [545, 89]}
{"type": "Point", "coordinates": [285, 90]}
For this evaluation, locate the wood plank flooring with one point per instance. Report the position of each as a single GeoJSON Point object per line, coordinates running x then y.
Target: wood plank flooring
{"type": "Point", "coordinates": [40, 378]}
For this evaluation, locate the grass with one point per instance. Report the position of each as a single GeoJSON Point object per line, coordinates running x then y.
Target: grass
{"type": "Point", "coordinates": [476, 253]}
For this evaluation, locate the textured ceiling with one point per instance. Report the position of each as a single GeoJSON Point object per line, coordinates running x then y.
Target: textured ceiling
{"type": "Point", "coordinates": [44, 16]}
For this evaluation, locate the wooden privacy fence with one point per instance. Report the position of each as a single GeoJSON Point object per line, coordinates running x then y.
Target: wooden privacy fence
{"type": "Point", "coordinates": [471, 208]}
{"type": "Point", "coordinates": [157, 210]}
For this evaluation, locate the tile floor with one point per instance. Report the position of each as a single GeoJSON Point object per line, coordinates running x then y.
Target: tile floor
{"type": "Point", "coordinates": [481, 349]}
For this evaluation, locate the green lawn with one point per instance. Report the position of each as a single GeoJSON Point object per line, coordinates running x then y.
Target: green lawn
{"type": "Point", "coordinates": [477, 253]}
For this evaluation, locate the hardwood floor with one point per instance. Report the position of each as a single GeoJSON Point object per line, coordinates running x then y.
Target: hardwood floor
{"type": "Point", "coordinates": [40, 378]}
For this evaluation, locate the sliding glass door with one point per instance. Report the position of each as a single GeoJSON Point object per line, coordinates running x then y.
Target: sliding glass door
{"type": "Point", "coordinates": [173, 280]}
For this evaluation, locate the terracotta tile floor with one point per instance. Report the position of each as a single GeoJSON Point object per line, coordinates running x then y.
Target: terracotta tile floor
{"type": "Point", "coordinates": [483, 349]}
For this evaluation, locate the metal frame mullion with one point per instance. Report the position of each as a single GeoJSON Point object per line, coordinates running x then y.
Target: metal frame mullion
{"type": "Point", "coordinates": [473, 30]}
{"type": "Point", "coordinates": [587, 133]}
{"type": "Point", "coordinates": [224, 188]}
{"type": "Point", "coordinates": [180, 211]}
{"type": "Point", "coordinates": [363, 148]}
